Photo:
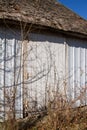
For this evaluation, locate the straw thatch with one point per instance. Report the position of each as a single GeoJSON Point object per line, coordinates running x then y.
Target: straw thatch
{"type": "Point", "coordinates": [48, 13]}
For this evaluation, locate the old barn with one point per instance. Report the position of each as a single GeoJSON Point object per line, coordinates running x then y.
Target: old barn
{"type": "Point", "coordinates": [43, 50]}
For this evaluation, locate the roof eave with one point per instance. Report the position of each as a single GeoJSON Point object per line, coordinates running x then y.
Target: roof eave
{"type": "Point", "coordinates": [10, 22]}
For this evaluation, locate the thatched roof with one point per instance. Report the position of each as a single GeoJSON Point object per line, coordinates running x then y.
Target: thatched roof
{"type": "Point", "coordinates": [48, 13]}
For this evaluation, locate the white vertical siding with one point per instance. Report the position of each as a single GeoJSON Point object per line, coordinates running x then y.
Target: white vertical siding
{"type": "Point", "coordinates": [46, 60]}
{"type": "Point", "coordinates": [86, 75]}
{"type": "Point", "coordinates": [77, 70]}
{"type": "Point", "coordinates": [18, 79]}
{"type": "Point", "coordinates": [45, 67]}
{"type": "Point", "coordinates": [1, 77]}
{"type": "Point", "coordinates": [10, 64]}
{"type": "Point", "coordinates": [71, 71]}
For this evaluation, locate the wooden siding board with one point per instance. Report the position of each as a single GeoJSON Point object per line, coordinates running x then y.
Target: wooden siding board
{"type": "Point", "coordinates": [46, 59]}
{"type": "Point", "coordinates": [1, 79]}
{"type": "Point", "coordinates": [86, 76]}
{"type": "Point", "coordinates": [48, 65]}
{"type": "Point", "coordinates": [77, 63]}
{"type": "Point", "coordinates": [8, 75]}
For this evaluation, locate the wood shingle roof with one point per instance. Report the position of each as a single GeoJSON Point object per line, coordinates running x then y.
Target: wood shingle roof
{"type": "Point", "coordinates": [48, 13]}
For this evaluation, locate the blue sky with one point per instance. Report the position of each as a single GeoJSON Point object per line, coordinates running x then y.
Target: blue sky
{"type": "Point", "coordinates": [78, 6]}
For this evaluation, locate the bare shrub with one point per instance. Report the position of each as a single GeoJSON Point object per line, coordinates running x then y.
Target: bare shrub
{"type": "Point", "coordinates": [62, 116]}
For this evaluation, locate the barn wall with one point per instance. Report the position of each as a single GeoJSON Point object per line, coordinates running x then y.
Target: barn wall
{"type": "Point", "coordinates": [32, 72]}
{"type": "Point", "coordinates": [45, 72]}
{"type": "Point", "coordinates": [77, 64]}
{"type": "Point", "coordinates": [10, 74]}
{"type": "Point", "coordinates": [56, 64]}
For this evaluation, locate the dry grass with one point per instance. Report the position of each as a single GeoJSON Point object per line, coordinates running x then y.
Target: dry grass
{"type": "Point", "coordinates": [59, 115]}
{"type": "Point", "coordinates": [68, 119]}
